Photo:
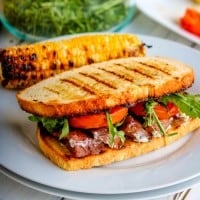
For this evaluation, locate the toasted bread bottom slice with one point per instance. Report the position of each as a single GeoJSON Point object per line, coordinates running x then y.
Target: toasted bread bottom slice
{"type": "Point", "coordinates": [60, 155]}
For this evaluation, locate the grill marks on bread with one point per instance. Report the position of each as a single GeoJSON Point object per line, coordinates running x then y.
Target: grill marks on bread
{"type": "Point", "coordinates": [80, 84]}
{"type": "Point", "coordinates": [105, 85]}
{"type": "Point", "coordinates": [95, 81]}
{"type": "Point", "coordinates": [97, 77]}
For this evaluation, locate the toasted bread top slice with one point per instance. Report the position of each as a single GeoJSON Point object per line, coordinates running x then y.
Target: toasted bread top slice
{"type": "Point", "coordinates": [104, 85]}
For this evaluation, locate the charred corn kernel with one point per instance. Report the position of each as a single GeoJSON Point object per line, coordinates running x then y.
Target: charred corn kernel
{"type": "Point", "coordinates": [25, 65]}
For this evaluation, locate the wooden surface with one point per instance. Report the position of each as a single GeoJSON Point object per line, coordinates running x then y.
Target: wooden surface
{"type": "Point", "coordinates": [12, 190]}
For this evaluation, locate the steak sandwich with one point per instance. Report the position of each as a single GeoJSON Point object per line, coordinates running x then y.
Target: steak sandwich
{"type": "Point", "coordinates": [112, 111]}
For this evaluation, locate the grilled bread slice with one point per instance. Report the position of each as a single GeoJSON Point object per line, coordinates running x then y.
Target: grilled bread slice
{"type": "Point", "coordinates": [105, 85]}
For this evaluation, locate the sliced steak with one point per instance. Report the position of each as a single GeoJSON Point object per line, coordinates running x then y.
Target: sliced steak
{"type": "Point", "coordinates": [154, 130]}
{"type": "Point", "coordinates": [81, 145]}
{"type": "Point", "coordinates": [134, 130]}
{"type": "Point", "coordinates": [102, 134]}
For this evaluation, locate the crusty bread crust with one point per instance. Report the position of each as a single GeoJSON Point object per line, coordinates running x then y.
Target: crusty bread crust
{"type": "Point", "coordinates": [59, 154]}
{"type": "Point", "coordinates": [105, 85]}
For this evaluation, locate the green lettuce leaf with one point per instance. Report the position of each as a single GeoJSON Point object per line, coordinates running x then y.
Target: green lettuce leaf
{"type": "Point", "coordinates": [52, 124]}
{"type": "Point", "coordinates": [113, 132]}
{"type": "Point", "coordinates": [152, 117]}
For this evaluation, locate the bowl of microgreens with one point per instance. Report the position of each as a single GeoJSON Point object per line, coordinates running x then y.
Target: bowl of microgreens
{"type": "Point", "coordinates": [35, 20]}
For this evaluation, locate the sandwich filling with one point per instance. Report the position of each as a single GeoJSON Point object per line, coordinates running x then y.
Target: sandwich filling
{"type": "Point", "coordinates": [92, 133]}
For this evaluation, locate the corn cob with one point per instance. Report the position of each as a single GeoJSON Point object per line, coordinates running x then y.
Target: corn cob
{"type": "Point", "coordinates": [24, 65]}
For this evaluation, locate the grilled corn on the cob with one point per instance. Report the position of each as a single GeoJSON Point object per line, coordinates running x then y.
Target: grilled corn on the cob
{"type": "Point", "coordinates": [22, 66]}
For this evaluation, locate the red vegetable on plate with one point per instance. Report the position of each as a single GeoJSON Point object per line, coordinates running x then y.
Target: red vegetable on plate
{"type": "Point", "coordinates": [191, 21]}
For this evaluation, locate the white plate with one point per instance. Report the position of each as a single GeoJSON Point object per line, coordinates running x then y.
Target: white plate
{"type": "Point", "coordinates": [168, 13]}
{"type": "Point", "coordinates": [171, 165]}
{"type": "Point", "coordinates": [159, 193]}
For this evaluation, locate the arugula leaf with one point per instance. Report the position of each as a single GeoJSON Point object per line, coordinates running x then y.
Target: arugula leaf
{"type": "Point", "coordinates": [152, 117]}
{"type": "Point", "coordinates": [65, 129]}
{"type": "Point", "coordinates": [52, 124]}
{"type": "Point", "coordinates": [113, 132]}
{"type": "Point", "coordinates": [187, 103]}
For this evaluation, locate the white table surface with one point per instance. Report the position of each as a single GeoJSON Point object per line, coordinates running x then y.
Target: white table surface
{"type": "Point", "coordinates": [12, 190]}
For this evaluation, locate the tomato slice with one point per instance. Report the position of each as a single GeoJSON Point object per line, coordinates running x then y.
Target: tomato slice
{"type": "Point", "coordinates": [98, 120]}
{"type": "Point", "coordinates": [163, 112]}
{"type": "Point", "coordinates": [138, 109]}
{"type": "Point", "coordinates": [172, 109]}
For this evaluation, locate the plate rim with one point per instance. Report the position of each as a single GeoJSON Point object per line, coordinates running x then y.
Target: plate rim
{"type": "Point", "coordinates": [158, 193]}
